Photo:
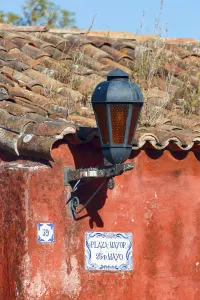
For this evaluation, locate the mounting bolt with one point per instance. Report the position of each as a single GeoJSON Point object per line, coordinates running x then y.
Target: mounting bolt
{"type": "Point", "coordinates": [111, 184]}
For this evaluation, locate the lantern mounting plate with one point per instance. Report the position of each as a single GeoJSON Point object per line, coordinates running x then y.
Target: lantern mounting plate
{"type": "Point", "coordinates": [72, 175]}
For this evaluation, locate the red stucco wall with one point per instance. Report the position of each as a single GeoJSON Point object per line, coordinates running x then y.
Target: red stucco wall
{"type": "Point", "coordinates": [159, 202]}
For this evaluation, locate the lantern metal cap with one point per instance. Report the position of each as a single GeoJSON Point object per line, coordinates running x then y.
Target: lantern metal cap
{"type": "Point", "coordinates": [117, 89]}
{"type": "Point", "coordinates": [116, 74]}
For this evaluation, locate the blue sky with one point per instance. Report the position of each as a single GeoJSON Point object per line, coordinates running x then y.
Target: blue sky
{"type": "Point", "coordinates": [182, 16]}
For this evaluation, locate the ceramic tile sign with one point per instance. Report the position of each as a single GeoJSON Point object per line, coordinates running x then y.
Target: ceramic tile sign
{"type": "Point", "coordinates": [108, 251]}
{"type": "Point", "coordinates": [45, 232]}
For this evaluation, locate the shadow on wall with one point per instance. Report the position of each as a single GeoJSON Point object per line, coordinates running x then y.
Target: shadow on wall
{"type": "Point", "coordinates": [85, 156]}
{"type": "Point", "coordinates": [90, 155]}
{"type": "Point", "coordinates": [156, 154]}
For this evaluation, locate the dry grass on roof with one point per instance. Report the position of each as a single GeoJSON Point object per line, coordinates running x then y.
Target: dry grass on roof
{"type": "Point", "coordinates": [166, 79]}
{"type": "Point", "coordinates": [65, 66]}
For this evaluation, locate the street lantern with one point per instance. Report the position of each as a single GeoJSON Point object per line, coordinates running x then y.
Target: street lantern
{"type": "Point", "coordinates": [117, 103]}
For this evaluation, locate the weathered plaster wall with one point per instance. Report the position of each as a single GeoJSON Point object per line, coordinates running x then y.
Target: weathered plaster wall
{"type": "Point", "coordinates": [159, 202]}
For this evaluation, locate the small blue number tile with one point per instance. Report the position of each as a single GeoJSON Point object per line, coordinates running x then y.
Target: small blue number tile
{"type": "Point", "coordinates": [45, 233]}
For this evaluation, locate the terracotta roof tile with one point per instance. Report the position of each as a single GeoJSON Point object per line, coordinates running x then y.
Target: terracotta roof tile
{"type": "Point", "coordinates": [41, 145]}
{"type": "Point", "coordinates": [117, 55]}
{"type": "Point", "coordinates": [14, 108]}
{"type": "Point", "coordinates": [161, 139]}
{"type": "Point", "coordinates": [91, 63]}
{"type": "Point", "coordinates": [21, 42]}
{"type": "Point", "coordinates": [20, 77]}
{"type": "Point", "coordinates": [183, 53]}
{"type": "Point", "coordinates": [99, 42]}
{"type": "Point", "coordinates": [173, 69]}
{"type": "Point", "coordinates": [34, 41]}
{"type": "Point", "coordinates": [12, 123]}
{"type": "Point", "coordinates": [6, 56]}
{"type": "Point", "coordinates": [7, 45]}
{"type": "Point", "coordinates": [17, 54]}
{"type": "Point", "coordinates": [49, 128]}
{"type": "Point", "coordinates": [33, 52]}
{"type": "Point", "coordinates": [95, 53]}
{"type": "Point", "coordinates": [36, 117]}
{"type": "Point", "coordinates": [29, 96]}
{"type": "Point", "coordinates": [24, 102]}
{"type": "Point", "coordinates": [5, 79]}
{"type": "Point", "coordinates": [50, 38]}
{"type": "Point", "coordinates": [111, 65]}
{"type": "Point", "coordinates": [47, 77]}
{"type": "Point", "coordinates": [8, 141]}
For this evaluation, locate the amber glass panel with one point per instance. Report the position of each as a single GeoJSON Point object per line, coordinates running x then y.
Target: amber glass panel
{"type": "Point", "coordinates": [119, 115]}
{"type": "Point", "coordinates": [135, 114]}
{"type": "Point", "coordinates": [102, 122]}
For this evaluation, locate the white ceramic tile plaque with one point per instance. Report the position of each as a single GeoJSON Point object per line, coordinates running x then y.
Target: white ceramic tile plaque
{"type": "Point", "coordinates": [45, 232]}
{"type": "Point", "coordinates": [108, 251]}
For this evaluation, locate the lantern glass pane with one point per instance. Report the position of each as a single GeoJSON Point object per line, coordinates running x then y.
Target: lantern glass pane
{"type": "Point", "coordinates": [134, 118]}
{"type": "Point", "coordinates": [100, 110]}
{"type": "Point", "coordinates": [119, 115]}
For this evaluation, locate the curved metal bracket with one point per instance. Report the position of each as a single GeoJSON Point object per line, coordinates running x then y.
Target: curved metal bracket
{"type": "Point", "coordinates": [73, 177]}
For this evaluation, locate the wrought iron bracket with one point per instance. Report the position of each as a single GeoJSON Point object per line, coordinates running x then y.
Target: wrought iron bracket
{"type": "Point", "coordinates": [71, 176]}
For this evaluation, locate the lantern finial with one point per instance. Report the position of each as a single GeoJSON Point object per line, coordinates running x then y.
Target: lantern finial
{"type": "Point", "coordinates": [116, 74]}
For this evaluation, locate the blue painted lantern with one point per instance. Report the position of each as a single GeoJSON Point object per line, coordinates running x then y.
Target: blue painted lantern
{"type": "Point", "coordinates": [117, 103]}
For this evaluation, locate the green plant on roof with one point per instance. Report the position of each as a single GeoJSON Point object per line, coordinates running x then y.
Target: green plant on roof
{"type": "Point", "coordinates": [40, 12]}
